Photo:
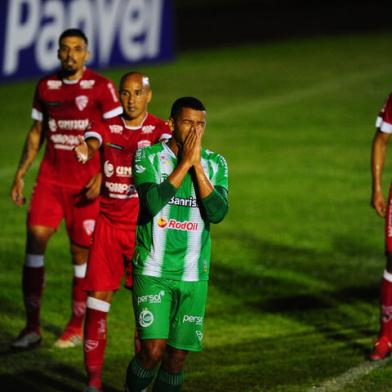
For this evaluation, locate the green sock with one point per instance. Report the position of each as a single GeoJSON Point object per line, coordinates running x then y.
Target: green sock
{"type": "Point", "coordinates": [168, 382]}
{"type": "Point", "coordinates": [138, 378]}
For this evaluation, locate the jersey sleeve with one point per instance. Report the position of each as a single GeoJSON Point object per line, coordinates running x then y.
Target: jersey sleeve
{"type": "Point", "coordinates": [384, 118]}
{"type": "Point", "coordinates": [108, 100]}
{"type": "Point", "coordinates": [220, 177]}
{"type": "Point", "coordinates": [97, 131]}
{"type": "Point", "coordinates": [143, 170]}
{"type": "Point", "coordinates": [37, 110]}
{"type": "Point", "coordinates": [162, 133]}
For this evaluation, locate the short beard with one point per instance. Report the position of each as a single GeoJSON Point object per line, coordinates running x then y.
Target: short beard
{"type": "Point", "coordinates": [68, 72]}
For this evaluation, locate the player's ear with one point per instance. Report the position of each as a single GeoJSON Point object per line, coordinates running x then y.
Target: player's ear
{"type": "Point", "coordinates": [170, 123]}
{"type": "Point", "coordinates": [149, 95]}
{"type": "Point", "coordinates": [88, 55]}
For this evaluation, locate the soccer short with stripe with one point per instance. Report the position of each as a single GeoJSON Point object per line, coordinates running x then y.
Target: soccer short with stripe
{"type": "Point", "coordinates": [170, 309]}
{"type": "Point", "coordinates": [110, 257]}
{"type": "Point", "coordinates": [51, 203]}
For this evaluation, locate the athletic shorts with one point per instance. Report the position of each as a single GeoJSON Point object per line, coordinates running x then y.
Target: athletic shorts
{"type": "Point", "coordinates": [110, 257]}
{"type": "Point", "coordinates": [170, 309]}
{"type": "Point", "coordinates": [51, 203]}
{"type": "Point", "coordinates": [388, 223]}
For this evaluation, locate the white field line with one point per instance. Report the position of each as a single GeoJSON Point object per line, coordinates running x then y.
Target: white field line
{"type": "Point", "coordinates": [350, 376]}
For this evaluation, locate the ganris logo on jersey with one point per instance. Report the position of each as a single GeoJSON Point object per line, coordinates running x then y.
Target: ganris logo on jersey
{"type": "Point", "coordinates": [176, 225]}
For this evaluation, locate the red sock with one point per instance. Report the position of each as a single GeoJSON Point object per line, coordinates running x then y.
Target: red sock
{"type": "Point", "coordinates": [386, 309]}
{"type": "Point", "coordinates": [33, 286]}
{"type": "Point", "coordinates": [79, 297]}
{"type": "Point", "coordinates": [94, 345]}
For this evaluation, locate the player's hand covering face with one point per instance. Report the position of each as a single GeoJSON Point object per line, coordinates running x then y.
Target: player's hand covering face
{"type": "Point", "coordinates": [135, 94]}
{"type": "Point", "coordinates": [72, 54]}
{"type": "Point", "coordinates": [187, 121]}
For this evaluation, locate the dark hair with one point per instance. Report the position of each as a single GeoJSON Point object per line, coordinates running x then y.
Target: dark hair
{"type": "Point", "coordinates": [73, 33]}
{"type": "Point", "coordinates": [185, 102]}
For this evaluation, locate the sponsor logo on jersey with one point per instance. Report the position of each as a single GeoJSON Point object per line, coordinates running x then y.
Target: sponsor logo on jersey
{"type": "Point", "coordinates": [81, 102]}
{"type": "Point", "coordinates": [185, 202]}
{"type": "Point", "coordinates": [54, 84]}
{"type": "Point", "coordinates": [68, 125]}
{"type": "Point", "coordinates": [162, 222]}
{"type": "Point", "coordinates": [121, 171]}
{"type": "Point", "coordinates": [199, 335]}
{"type": "Point", "coordinates": [146, 318]}
{"type": "Point", "coordinates": [198, 320]}
{"type": "Point", "coordinates": [64, 142]}
{"type": "Point", "coordinates": [148, 128]}
{"type": "Point", "coordinates": [87, 84]}
{"type": "Point", "coordinates": [116, 129]}
{"type": "Point", "coordinates": [151, 298]}
{"type": "Point", "coordinates": [108, 169]}
{"type": "Point", "coordinates": [113, 92]}
{"type": "Point", "coordinates": [88, 226]}
{"type": "Point", "coordinates": [143, 143]}
{"type": "Point", "coordinates": [117, 187]}
{"type": "Point", "coordinates": [185, 226]}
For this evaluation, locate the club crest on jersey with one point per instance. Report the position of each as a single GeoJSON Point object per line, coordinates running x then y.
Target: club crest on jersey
{"type": "Point", "coordinates": [143, 143]}
{"type": "Point", "coordinates": [81, 102]}
{"type": "Point", "coordinates": [148, 128]}
{"type": "Point", "coordinates": [88, 226]}
{"type": "Point", "coordinates": [87, 84]}
{"type": "Point", "coordinates": [116, 129]}
{"type": "Point", "coordinates": [54, 84]}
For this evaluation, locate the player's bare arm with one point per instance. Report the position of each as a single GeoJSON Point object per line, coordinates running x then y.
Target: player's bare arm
{"type": "Point", "coordinates": [93, 187]}
{"type": "Point", "coordinates": [31, 147]}
{"type": "Point", "coordinates": [86, 149]}
{"type": "Point", "coordinates": [379, 148]}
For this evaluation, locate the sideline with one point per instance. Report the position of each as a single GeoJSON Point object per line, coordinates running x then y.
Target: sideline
{"type": "Point", "coordinates": [350, 376]}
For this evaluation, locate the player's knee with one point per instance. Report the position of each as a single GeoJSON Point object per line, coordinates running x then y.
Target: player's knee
{"type": "Point", "coordinates": [152, 353]}
{"type": "Point", "coordinates": [37, 239]}
{"type": "Point", "coordinates": [79, 254]}
{"type": "Point", "coordinates": [175, 360]}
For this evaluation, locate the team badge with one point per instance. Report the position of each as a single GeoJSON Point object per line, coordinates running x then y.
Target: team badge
{"type": "Point", "coordinates": [146, 318]}
{"type": "Point", "coordinates": [143, 143]}
{"type": "Point", "coordinates": [88, 226]}
{"type": "Point", "coordinates": [81, 102]}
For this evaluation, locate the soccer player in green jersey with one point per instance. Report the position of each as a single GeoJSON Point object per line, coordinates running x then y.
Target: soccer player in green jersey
{"type": "Point", "coordinates": [182, 189]}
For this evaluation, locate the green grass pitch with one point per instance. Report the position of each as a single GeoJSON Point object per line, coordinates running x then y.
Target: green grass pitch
{"type": "Point", "coordinates": [293, 299]}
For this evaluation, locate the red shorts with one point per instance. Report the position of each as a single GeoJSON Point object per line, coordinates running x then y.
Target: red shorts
{"type": "Point", "coordinates": [110, 256]}
{"type": "Point", "coordinates": [388, 223]}
{"type": "Point", "coordinates": [51, 203]}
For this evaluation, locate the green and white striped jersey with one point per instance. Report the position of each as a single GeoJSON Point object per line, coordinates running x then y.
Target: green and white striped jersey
{"type": "Point", "coordinates": [175, 243]}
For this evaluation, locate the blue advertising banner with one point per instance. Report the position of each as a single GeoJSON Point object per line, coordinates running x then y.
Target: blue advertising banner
{"type": "Point", "coordinates": [119, 31]}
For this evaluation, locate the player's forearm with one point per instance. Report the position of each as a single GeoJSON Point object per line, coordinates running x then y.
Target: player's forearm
{"type": "Point", "coordinates": [203, 184]}
{"type": "Point", "coordinates": [216, 205]}
{"type": "Point", "coordinates": [379, 149]}
{"type": "Point", "coordinates": [92, 147]}
{"type": "Point", "coordinates": [153, 197]}
{"type": "Point", "coordinates": [177, 176]}
{"type": "Point", "coordinates": [30, 151]}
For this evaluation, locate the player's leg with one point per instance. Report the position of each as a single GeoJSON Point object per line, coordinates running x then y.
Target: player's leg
{"type": "Point", "coordinates": [383, 345]}
{"type": "Point", "coordinates": [186, 334]}
{"type": "Point", "coordinates": [80, 222]}
{"type": "Point", "coordinates": [104, 273]}
{"type": "Point", "coordinates": [152, 301]}
{"type": "Point", "coordinates": [44, 215]}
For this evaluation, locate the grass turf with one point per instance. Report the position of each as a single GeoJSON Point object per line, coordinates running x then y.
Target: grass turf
{"type": "Point", "coordinates": [293, 299]}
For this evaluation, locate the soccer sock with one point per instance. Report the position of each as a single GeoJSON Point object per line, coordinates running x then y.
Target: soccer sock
{"type": "Point", "coordinates": [95, 339]}
{"type": "Point", "coordinates": [386, 305]}
{"type": "Point", "coordinates": [138, 378]}
{"type": "Point", "coordinates": [33, 286]}
{"type": "Point", "coordinates": [79, 297]}
{"type": "Point", "coordinates": [168, 382]}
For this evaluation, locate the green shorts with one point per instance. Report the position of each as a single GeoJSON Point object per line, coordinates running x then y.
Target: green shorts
{"type": "Point", "coordinates": [171, 310]}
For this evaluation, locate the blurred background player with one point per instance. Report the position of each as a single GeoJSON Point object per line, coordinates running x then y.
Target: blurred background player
{"type": "Point", "coordinates": [383, 345]}
{"type": "Point", "coordinates": [114, 236]}
{"type": "Point", "coordinates": [182, 189]}
{"type": "Point", "coordinates": [64, 105]}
